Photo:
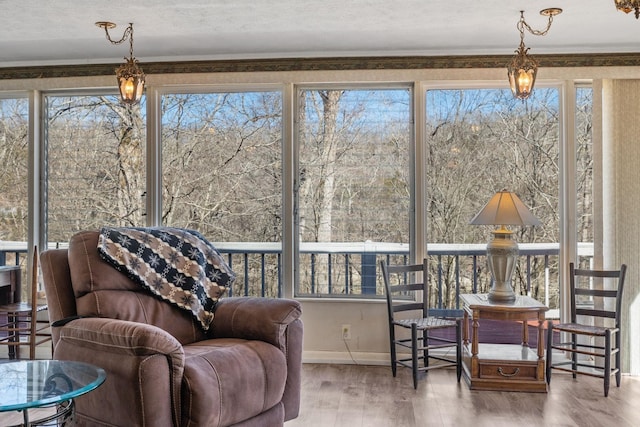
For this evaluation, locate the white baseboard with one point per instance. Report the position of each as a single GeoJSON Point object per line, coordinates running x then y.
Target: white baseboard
{"type": "Point", "coordinates": [344, 358]}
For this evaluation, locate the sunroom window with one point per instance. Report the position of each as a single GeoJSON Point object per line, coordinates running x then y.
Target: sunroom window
{"type": "Point", "coordinates": [14, 200]}
{"type": "Point", "coordinates": [95, 164]}
{"type": "Point", "coordinates": [481, 141]}
{"type": "Point", "coordinates": [353, 189]}
{"type": "Point", "coordinates": [222, 175]}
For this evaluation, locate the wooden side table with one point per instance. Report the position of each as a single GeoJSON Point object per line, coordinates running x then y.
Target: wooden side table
{"type": "Point", "coordinates": [10, 290]}
{"type": "Point", "coordinates": [503, 367]}
{"type": "Point", "coordinates": [10, 286]}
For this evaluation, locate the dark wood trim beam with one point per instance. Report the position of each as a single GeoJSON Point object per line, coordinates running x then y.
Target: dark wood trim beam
{"type": "Point", "coordinates": [323, 64]}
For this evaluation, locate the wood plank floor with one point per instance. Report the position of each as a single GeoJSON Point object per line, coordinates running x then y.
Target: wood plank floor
{"type": "Point", "coordinates": [369, 396]}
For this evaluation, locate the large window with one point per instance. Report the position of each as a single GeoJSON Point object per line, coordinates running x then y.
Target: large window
{"type": "Point", "coordinates": [584, 173]}
{"type": "Point", "coordinates": [354, 186]}
{"type": "Point", "coordinates": [222, 176]}
{"type": "Point", "coordinates": [480, 141]}
{"type": "Point", "coordinates": [14, 154]}
{"type": "Point", "coordinates": [353, 158]}
{"type": "Point", "coordinates": [95, 164]}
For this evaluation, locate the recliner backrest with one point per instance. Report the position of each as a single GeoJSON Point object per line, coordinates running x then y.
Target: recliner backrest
{"type": "Point", "coordinates": [102, 291]}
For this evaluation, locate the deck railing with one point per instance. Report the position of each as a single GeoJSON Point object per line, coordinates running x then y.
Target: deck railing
{"type": "Point", "coordinates": [351, 270]}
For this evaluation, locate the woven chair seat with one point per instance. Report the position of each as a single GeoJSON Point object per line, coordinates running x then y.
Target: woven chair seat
{"type": "Point", "coordinates": [426, 323]}
{"type": "Point", "coordinates": [577, 328]}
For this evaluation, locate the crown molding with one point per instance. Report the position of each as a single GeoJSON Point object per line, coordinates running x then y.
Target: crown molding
{"type": "Point", "coordinates": [322, 64]}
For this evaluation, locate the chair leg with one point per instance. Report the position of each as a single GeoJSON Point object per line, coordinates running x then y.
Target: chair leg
{"type": "Point", "coordinates": [392, 342]}
{"type": "Point", "coordinates": [549, 351]}
{"type": "Point", "coordinates": [618, 372]}
{"type": "Point", "coordinates": [414, 354]}
{"type": "Point", "coordinates": [607, 362]}
{"type": "Point", "coordinates": [459, 349]}
{"type": "Point", "coordinates": [13, 349]}
{"type": "Point", "coordinates": [574, 355]}
{"type": "Point", "coordinates": [425, 345]}
{"type": "Point", "coordinates": [32, 338]}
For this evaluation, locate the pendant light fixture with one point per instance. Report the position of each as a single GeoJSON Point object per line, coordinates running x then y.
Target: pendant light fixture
{"type": "Point", "coordinates": [628, 5]}
{"type": "Point", "coordinates": [523, 68]}
{"type": "Point", "coordinates": [130, 76]}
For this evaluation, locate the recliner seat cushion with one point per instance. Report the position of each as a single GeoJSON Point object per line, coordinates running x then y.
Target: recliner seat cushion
{"type": "Point", "coordinates": [229, 380]}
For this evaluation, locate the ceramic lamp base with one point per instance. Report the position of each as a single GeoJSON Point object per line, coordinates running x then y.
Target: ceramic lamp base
{"type": "Point", "coordinates": [502, 254]}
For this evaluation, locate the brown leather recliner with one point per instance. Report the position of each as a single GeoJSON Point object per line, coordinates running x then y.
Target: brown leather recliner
{"type": "Point", "coordinates": [162, 368]}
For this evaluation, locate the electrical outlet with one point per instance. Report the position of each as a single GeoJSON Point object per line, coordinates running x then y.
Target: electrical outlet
{"type": "Point", "coordinates": [346, 332]}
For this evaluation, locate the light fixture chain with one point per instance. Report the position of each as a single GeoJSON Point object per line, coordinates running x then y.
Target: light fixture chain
{"type": "Point", "coordinates": [523, 24]}
{"type": "Point", "coordinates": [130, 29]}
{"type": "Point", "coordinates": [127, 33]}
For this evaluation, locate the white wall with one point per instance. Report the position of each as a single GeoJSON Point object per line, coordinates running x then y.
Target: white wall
{"type": "Point", "coordinates": [323, 320]}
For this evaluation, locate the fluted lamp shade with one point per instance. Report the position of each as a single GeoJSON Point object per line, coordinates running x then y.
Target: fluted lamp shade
{"type": "Point", "coordinates": [504, 208]}
{"type": "Point", "coordinates": [629, 5]}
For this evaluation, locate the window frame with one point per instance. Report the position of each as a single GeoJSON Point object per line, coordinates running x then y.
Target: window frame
{"type": "Point", "coordinates": [295, 167]}
{"type": "Point", "coordinates": [288, 85]}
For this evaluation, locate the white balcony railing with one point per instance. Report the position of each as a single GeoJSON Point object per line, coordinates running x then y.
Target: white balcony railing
{"type": "Point", "coordinates": [351, 270]}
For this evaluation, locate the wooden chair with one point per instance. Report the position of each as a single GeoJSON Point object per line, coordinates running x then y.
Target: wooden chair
{"type": "Point", "coordinates": [406, 292]}
{"type": "Point", "coordinates": [22, 327]}
{"type": "Point", "coordinates": [594, 337]}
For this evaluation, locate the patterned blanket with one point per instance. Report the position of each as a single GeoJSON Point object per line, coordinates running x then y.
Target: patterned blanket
{"type": "Point", "coordinates": [178, 265]}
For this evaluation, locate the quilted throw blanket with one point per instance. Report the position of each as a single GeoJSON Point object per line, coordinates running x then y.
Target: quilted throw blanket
{"type": "Point", "coordinates": [178, 265]}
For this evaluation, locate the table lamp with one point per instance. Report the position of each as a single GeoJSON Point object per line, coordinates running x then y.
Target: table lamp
{"type": "Point", "coordinates": [504, 208]}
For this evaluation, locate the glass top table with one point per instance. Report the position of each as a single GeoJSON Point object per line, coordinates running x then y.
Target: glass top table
{"type": "Point", "coordinates": [40, 383]}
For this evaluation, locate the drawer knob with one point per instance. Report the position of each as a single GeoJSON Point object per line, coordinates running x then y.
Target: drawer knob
{"type": "Point", "coordinates": [517, 370]}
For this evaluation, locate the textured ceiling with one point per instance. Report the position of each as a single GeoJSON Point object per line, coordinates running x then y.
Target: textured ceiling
{"type": "Point", "coordinates": [53, 32]}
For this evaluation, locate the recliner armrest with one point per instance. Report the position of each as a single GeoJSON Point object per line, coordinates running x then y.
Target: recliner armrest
{"type": "Point", "coordinates": [121, 337]}
{"type": "Point", "coordinates": [130, 352]}
{"type": "Point", "coordinates": [253, 318]}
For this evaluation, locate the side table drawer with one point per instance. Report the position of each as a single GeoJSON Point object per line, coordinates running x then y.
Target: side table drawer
{"type": "Point", "coordinates": [508, 371]}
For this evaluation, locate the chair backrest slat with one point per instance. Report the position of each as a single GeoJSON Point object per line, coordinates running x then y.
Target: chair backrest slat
{"type": "Point", "coordinates": [407, 307]}
{"type": "Point", "coordinates": [597, 292]}
{"type": "Point", "coordinates": [406, 288]}
{"type": "Point", "coordinates": [596, 273]}
{"type": "Point", "coordinates": [399, 269]}
{"type": "Point", "coordinates": [595, 313]}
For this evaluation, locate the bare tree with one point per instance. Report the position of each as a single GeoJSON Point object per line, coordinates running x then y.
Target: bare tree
{"type": "Point", "coordinates": [480, 142]}
{"type": "Point", "coordinates": [14, 171]}
{"type": "Point", "coordinates": [95, 164]}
